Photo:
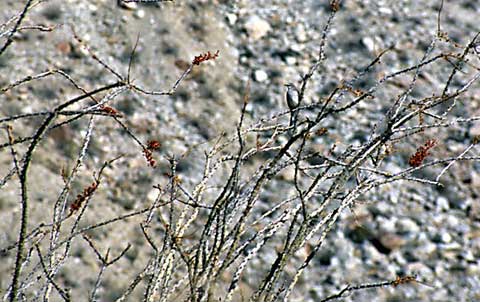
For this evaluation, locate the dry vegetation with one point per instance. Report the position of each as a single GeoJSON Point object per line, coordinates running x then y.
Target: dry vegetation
{"type": "Point", "coordinates": [266, 198]}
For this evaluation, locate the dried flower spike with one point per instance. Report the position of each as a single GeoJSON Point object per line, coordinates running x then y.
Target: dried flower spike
{"type": "Point", "coordinates": [402, 280]}
{"type": "Point", "coordinates": [149, 157]}
{"type": "Point", "coordinates": [110, 110]}
{"type": "Point", "coordinates": [205, 57]}
{"type": "Point", "coordinates": [87, 192]}
{"type": "Point", "coordinates": [321, 131]}
{"type": "Point", "coordinates": [153, 145]}
{"type": "Point", "coordinates": [417, 159]}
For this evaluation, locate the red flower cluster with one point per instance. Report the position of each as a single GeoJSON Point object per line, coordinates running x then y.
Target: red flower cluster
{"type": "Point", "coordinates": [153, 145]}
{"type": "Point", "coordinates": [422, 152]}
{"type": "Point", "coordinates": [87, 192]}
{"type": "Point", "coordinates": [148, 155]}
{"type": "Point", "coordinates": [205, 57]}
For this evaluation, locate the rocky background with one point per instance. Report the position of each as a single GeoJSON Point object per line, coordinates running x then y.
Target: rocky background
{"type": "Point", "coordinates": [401, 229]}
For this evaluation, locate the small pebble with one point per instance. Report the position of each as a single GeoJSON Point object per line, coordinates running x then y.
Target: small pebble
{"type": "Point", "coordinates": [257, 27]}
{"type": "Point", "coordinates": [139, 14]}
{"type": "Point", "coordinates": [260, 75]}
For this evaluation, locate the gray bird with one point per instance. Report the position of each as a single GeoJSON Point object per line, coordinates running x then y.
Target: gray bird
{"type": "Point", "coordinates": [293, 100]}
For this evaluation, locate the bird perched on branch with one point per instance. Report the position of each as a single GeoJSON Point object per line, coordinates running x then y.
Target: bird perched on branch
{"type": "Point", "coordinates": [293, 101]}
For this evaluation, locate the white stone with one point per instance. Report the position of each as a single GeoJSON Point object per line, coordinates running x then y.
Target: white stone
{"type": "Point", "coordinates": [442, 203]}
{"type": "Point", "coordinates": [249, 108]}
{"type": "Point", "coordinates": [385, 10]}
{"type": "Point", "coordinates": [452, 221]}
{"type": "Point", "coordinates": [232, 19]}
{"type": "Point", "coordinates": [257, 27]}
{"type": "Point", "coordinates": [291, 60]}
{"type": "Point", "coordinates": [369, 43]}
{"type": "Point", "coordinates": [426, 249]}
{"type": "Point", "coordinates": [468, 255]}
{"type": "Point", "coordinates": [297, 47]}
{"type": "Point", "coordinates": [260, 75]}
{"type": "Point", "coordinates": [454, 246]}
{"type": "Point", "coordinates": [27, 109]}
{"type": "Point", "coordinates": [387, 224]}
{"type": "Point", "coordinates": [407, 225]}
{"type": "Point", "coordinates": [139, 14]}
{"type": "Point", "coordinates": [446, 238]}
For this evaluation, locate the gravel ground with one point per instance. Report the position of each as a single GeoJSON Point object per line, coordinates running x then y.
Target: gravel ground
{"type": "Point", "coordinates": [400, 229]}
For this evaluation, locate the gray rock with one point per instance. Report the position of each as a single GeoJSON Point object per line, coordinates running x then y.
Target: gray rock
{"type": "Point", "coordinates": [407, 225]}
